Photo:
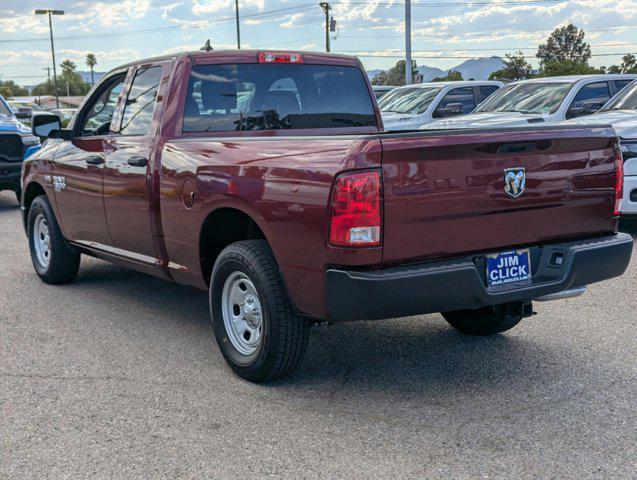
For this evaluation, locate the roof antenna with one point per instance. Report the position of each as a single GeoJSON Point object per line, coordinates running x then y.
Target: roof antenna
{"type": "Point", "coordinates": [207, 47]}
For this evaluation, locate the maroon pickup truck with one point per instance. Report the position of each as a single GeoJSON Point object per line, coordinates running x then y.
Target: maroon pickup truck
{"type": "Point", "coordinates": [266, 178]}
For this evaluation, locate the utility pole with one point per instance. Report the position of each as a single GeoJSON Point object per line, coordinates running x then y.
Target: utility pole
{"type": "Point", "coordinates": [50, 12]}
{"type": "Point", "coordinates": [236, 9]}
{"type": "Point", "coordinates": [408, 72]}
{"type": "Point", "coordinates": [326, 8]}
{"type": "Point", "coordinates": [48, 73]}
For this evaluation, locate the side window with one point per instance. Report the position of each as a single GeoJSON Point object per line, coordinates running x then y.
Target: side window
{"type": "Point", "coordinates": [98, 113]}
{"type": "Point", "coordinates": [485, 91]}
{"type": "Point", "coordinates": [463, 96]}
{"type": "Point", "coordinates": [140, 104]}
{"type": "Point", "coordinates": [593, 92]}
{"type": "Point", "coordinates": [620, 84]}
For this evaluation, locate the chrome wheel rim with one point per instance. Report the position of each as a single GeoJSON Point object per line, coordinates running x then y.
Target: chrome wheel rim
{"type": "Point", "coordinates": [42, 241]}
{"type": "Point", "coordinates": [242, 313]}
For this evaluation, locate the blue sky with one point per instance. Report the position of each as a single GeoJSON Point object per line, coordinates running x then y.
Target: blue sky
{"type": "Point", "coordinates": [445, 32]}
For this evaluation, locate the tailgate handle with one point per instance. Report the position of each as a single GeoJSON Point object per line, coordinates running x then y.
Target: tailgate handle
{"type": "Point", "coordinates": [95, 160]}
{"type": "Point", "coordinates": [517, 147]}
{"type": "Point", "coordinates": [137, 161]}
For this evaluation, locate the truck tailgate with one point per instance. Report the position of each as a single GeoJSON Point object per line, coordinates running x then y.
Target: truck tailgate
{"type": "Point", "coordinates": [444, 191]}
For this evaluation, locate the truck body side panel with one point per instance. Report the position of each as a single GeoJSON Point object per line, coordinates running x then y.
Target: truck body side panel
{"type": "Point", "coordinates": [282, 183]}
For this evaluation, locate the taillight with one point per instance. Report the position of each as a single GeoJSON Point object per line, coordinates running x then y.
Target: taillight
{"type": "Point", "coordinates": [619, 179]}
{"type": "Point", "coordinates": [356, 215]}
{"type": "Point", "coordinates": [269, 57]}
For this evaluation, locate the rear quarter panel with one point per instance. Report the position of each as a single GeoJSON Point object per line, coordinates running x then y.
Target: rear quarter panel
{"type": "Point", "coordinates": [282, 183]}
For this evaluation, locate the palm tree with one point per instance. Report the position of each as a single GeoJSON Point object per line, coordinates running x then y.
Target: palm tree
{"type": "Point", "coordinates": [91, 61]}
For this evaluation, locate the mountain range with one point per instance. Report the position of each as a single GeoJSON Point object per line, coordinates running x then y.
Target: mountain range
{"type": "Point", "coordinates": [475, 68]}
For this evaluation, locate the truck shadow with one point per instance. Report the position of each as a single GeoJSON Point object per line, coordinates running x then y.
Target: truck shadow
{"type": "Point", "coordinates": [418, 355]}
{"type": "Point", "coordinates": [629, 226]}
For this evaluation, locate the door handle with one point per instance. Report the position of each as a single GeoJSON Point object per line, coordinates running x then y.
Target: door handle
{"type": "Point", "coordinates": [137, 161]}
{"type": "Point", "coordinates": [95, 160]}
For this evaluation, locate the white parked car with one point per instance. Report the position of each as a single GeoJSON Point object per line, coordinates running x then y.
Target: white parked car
{"type": "Point", "coordinates": [541, 101]}
{"type": "Point", "coordinates": [621, 113]}
{"type": "Point", "coordinates": [411, 106]}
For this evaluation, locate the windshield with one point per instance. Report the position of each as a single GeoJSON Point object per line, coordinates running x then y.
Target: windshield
{"type": "Point", "coordinates": [626, 100]}
{"type": "Point", "coordinates": [408, 100]}
{"type": "Point", "coordinates": [533, 98]}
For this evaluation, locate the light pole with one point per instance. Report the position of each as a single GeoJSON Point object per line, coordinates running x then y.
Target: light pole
{"type": "Point", "coordinates": [326, 8]}
{"type": "Point", "coordinates": [408, 71]}
{"type": "Point", "coordinates": [50, 12]}
{"type": "Point", "coordinates": [236, 9]}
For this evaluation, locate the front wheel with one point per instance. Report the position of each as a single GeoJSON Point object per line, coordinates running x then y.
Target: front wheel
{"type": "Point", "coordinates": [54, 260]}
{"type": "Point", "coordinates": [488, 320]}
{"type": "Point", "coordinates": [256, 328]}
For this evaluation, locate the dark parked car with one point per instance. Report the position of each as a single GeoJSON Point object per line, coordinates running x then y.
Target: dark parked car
{"type": "Point", "coordinates": [292, 206]}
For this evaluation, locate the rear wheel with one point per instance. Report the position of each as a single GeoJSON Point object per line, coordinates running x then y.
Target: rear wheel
{"type": "Point", "coordinates": [488, 320]}
{"type": "Point", "coordinates": [54, 260]}
{"type": "Point", "coordinates": [256, 328]}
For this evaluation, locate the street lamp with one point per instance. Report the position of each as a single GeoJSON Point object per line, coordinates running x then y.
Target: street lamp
{"type": "Point", "coordinates": [50, 12]}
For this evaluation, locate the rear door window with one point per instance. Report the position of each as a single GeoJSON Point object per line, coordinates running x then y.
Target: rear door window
{"type": "Point", "coordinates": [620, 84]}
{"type": "Point", "coordinates": [463, 96]}
{"type": "Point", "coordinates": [598, 92]}
{"type": "Point", "coordinates": [276, 97]}
{"type": "Point", "coordinates": [485, 91]}
{"type": "Point", "coordinates": [140, 103]}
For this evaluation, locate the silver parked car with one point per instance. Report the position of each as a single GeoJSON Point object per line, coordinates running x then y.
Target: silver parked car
{"type": "Point", "coordinates": [541, 101]}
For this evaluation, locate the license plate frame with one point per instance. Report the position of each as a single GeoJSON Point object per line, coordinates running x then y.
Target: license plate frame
{"type": "Point", "coordinates": [511, 267]}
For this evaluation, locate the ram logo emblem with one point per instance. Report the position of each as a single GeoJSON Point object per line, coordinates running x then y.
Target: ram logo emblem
{"type": "Point", "coordinates": [514, 181]}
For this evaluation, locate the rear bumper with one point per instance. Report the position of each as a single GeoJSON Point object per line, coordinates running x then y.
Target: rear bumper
{"type": "Point", "coordinates": [460, 284]}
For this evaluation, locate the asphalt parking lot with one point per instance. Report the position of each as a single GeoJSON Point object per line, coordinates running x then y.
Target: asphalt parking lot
{"type": "Point", "coordinates": [118, 376]}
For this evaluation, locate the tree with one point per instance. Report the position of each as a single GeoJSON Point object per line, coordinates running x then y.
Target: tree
{"type": "Point", "coordinates": [395, 75]}
{"type": "Point", "coordinates": [564, 44]}
{"type": "Point", "coordinates": [452, 76]}
{"type": "Point", "coordinates": [9, 89]}
{"type": "Point", "coordinates": [515, 68]}
{"type": "Point", "coordinates": [71, 81]}
{"type": "Point", "coordinates": [568, 67]}
{"type": "Point", "coordinates": [91, 61]}
{"type": "Point", "coordinates": [628, 65]}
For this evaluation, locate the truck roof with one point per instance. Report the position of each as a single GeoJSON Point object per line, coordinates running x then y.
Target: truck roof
{"type": "Point", "coordinates": [203, 57]}
{"type": "Point", "coordinates": [577, 78]}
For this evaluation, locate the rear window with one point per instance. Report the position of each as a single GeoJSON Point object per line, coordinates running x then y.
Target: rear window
{"type": "Point", "coordinates": [276, 97]}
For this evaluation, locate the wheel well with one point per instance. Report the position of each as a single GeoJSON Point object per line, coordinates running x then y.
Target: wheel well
{"type": "Point", "coordinates": [221, 228]}
{"type": "Point", "coordinates": [33, 190]}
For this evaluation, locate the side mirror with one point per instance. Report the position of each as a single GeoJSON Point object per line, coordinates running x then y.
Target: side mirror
{"type": "Point", "coordinates": [588, 107]}
{"type": "Point", "coordinates": [451, 109]}
{"type": "Point", "coordinates": [46, 125]}
{"type": "Point", "coordinates": [591, 106]}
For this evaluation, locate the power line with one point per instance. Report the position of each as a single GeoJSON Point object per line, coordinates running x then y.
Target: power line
{"type": "Point", "coordinates": [463, 57]}
{"type": "Point", "coordinates": [267, 14]}
{"type": "Point", "coordinates": [452, 4]}
{"type": "Point", "coordinates": [507, 49]}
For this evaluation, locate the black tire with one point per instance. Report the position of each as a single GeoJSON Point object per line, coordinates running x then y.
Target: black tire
{"type": "Point", "coordinates": [483, 321]}
{"type": "Point", "coordinates": [18, 195]}
{"type": "Point", "coordinates": [284, 334]}
{"type": "Point", "coordinates": [63, 262]}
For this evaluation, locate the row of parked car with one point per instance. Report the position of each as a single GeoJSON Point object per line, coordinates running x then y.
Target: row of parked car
{"type": "Point", "coordinates": [567, 100]}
